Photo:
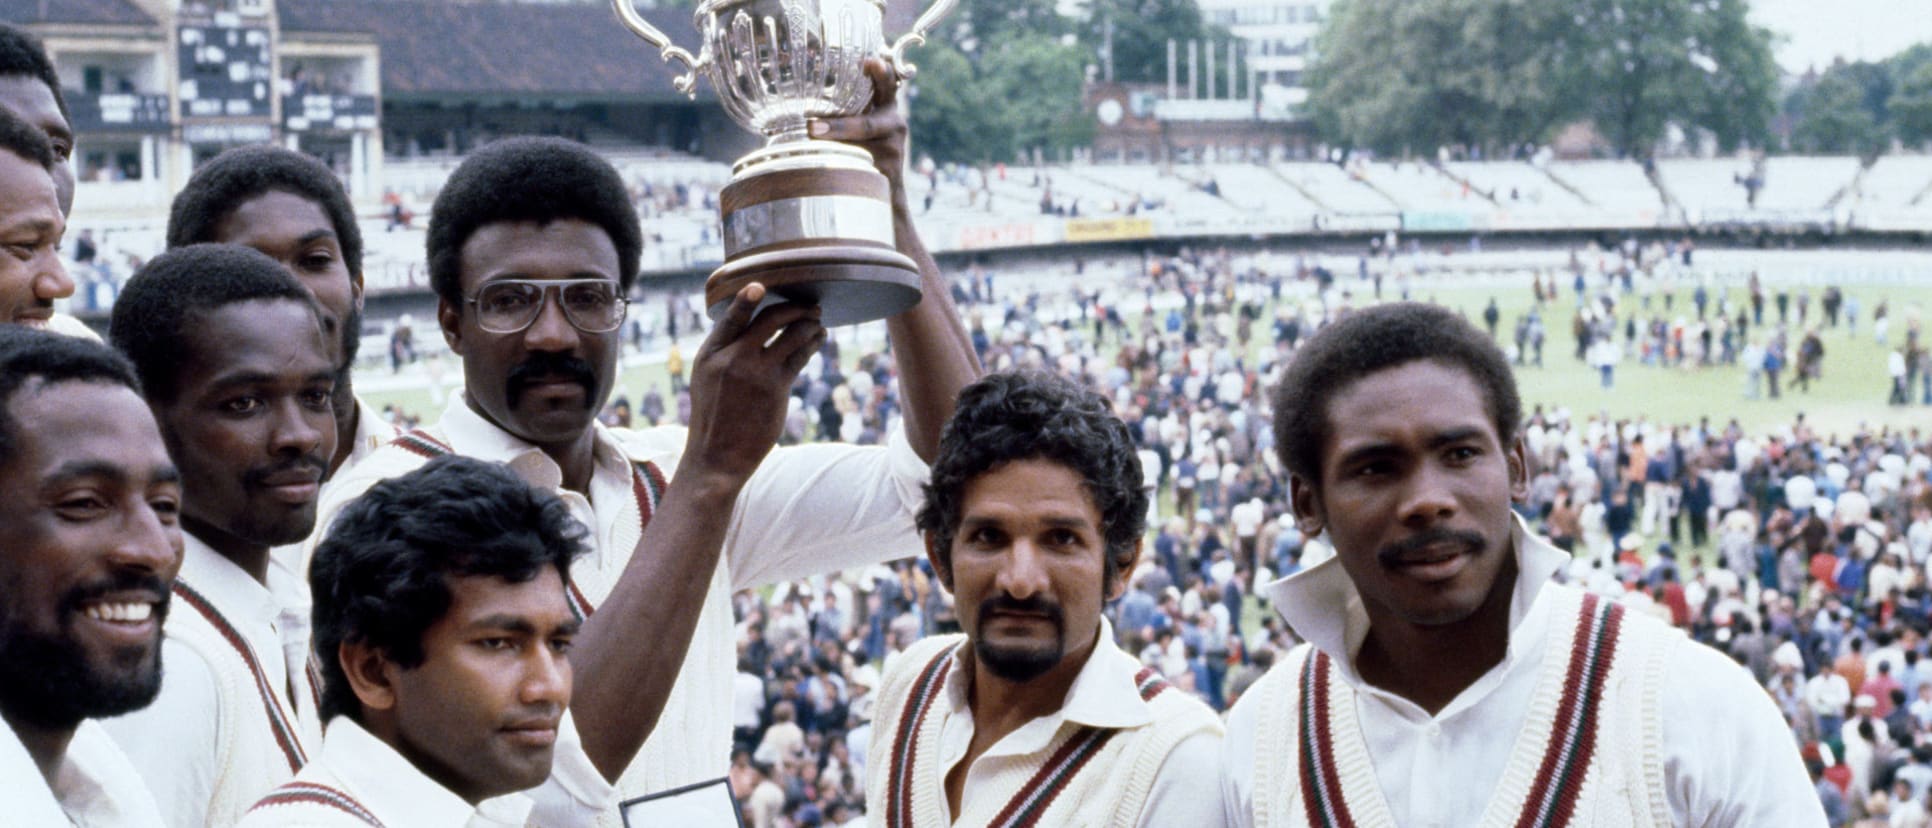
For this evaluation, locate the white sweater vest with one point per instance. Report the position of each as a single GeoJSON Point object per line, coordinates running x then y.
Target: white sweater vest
{"type": "Point", "coordinates": [261, 743]}
{"type": "Point", "coordinates": [301, 803]}
{"type": "Point", "coordinates": [1589, 753]}
{"type": "Point", "coordinates": [1085, 777]}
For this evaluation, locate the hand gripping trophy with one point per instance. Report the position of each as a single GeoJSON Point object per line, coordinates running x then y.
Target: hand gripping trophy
{"type": "Point", "coordinates": [810, 219]}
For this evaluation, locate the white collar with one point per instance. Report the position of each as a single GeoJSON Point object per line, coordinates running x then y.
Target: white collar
{"type": "Point", "coordinates": [393, 789]}
{"type": "Point", "coordinates": [233, 592]}
{"type": "Point", "coordinates": [1103, 694]}
{"type": "Point", "coordinates": [95, 784]}
{"type": "Point", "coordinates": [1322, 605]}
{"type": "Point", "coordinates": [473, 436]}
{"type": "Point", "coordinates": [372, 431]}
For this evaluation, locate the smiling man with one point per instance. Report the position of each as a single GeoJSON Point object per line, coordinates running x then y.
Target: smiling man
{"type": "Point", "coordinates": [1033, 716]}
{"type": "Point", "coordinates": [31, 225]}
{"type": "Point", "coordinates": [231, 354]}
{"type": "Point", "coordinates": [1446, 679]}
{"type": "Point", "coordinates": [92, 542]}
{"type": "Point", "coordinates": [443, 630]}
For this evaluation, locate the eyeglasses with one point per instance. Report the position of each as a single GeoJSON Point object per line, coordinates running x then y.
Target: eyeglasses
{"type": "Point", "coordinates": [511, 305]}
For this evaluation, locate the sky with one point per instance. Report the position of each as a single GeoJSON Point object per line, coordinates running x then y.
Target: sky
{"type": "Point", "coordinates": [1816, 31]}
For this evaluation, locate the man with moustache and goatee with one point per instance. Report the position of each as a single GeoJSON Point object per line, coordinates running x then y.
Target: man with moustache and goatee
{"type": "Point", "coordinates": [1033, 520]}
{"type": "Point", "coordinates": [90, 519]}
{"type": "Point", "coordinates": [234, 364]}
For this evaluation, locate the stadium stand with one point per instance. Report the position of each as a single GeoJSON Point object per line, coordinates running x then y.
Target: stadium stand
{"type": "Point", "coordinates": [1516, 184]}
{"type": "Point", "coordinates": [1335, 189]}
{"type": "Point", "coordinates": [1609, 185]}
{"type": "Point", "coordinates": [1698, 185]}
{"type": "Point", "coordinates": [1421, 187]}
{"type": "Point", "coordinates": [1897, 181]}
{"type": "Point", "coordinates": [1805, 182]}
{"type": "Point", "coordinates": [1251, 188]}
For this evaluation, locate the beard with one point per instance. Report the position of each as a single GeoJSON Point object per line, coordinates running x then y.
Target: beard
{"type": "Point", "coordinates": [1025, 661]}
{"type": "Point", "coordinates": [53, 683]}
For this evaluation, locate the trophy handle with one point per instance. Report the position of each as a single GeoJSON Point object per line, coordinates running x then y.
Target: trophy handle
{"type": "Point", "coordinates": [896, 56]}
{"type": "Point", "coordinates": [686, 83]}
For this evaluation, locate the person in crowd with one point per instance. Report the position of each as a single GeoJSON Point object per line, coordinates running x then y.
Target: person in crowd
{"type": "Point", "coordinates": [93, 540]}
{"type": "Point", "coordinates": [31, 223]}
{"type": "Point", "coordinates": [30, 91]}
{"type": "Point", "coordinates": [443, 631]}
{"type": "Point", "coordinates": [533, 244]}
{"type": "Point", "coordinates": [232, 360]}
{"type": "Point", "coordinates": [1437, 646]}
{"type": "Point", "coordinates": [1033, 520]}
{"type": "Point", "coordinates": [292, 208]}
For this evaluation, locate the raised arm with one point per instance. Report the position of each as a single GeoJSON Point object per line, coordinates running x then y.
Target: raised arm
{"type": "Point", "coordinates": [630, 651]}
{"type": "Point", "coordinates": [929, 342]}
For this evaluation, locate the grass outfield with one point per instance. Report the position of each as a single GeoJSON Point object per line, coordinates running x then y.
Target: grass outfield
{"type": "Point", "coordinates": [1851, 392]}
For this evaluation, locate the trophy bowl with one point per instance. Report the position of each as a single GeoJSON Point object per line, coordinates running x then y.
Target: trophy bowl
{"type": "Point", "coordinates": [810, 219]}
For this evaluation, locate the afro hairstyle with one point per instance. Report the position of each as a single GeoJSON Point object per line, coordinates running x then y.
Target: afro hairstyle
{"type": "Point", "coordinates": [29, 353]}
{"type": "Point", "coordinates": [242, 173]}
{"type": "Point", "coordinates": [529, 179]}
{"type": "Point", "coordinates": [162, 299]}
{"type": "Point", "coordinates": [23, 54]}
{"type": "Point", "coordinates": [1375, 339]}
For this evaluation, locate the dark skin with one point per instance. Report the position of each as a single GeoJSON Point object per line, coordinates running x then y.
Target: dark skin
{"type": "Point", "coordinates": [739, 388]}
{"type": "Point", "coordinates": [1414, 491]}
{"type": "Point", "coordinates": [928, 340]}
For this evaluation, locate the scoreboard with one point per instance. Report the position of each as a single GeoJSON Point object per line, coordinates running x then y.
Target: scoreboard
{"type": "Point", "coordinates": [226, 69]}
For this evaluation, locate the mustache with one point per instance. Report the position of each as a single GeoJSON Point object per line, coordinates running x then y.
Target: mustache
{"type": "Point", "coordinates": [120, 581]}
{"type": "Point", "coordinates": [1031, 606]}
{"type": "Point", "coordinates": [1394, 554]}
{"type": "Point", "coordinates": [257, 478]}
{"type": "Point", "coordinates": [546, 364]}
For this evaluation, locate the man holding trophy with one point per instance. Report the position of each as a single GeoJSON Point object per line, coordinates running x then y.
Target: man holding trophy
{"type": "Point", "coordinates": [530, 242]}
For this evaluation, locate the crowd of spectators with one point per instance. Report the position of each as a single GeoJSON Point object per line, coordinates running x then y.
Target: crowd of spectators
{"type": "Point", "coordinates": [1807, 556]}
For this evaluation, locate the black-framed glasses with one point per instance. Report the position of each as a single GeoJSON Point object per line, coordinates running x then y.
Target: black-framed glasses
{"type": "Point", "coordinates": [511, 305]}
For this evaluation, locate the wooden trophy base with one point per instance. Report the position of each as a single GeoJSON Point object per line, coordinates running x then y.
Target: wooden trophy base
{"type": "Point", "coordinates": [849, 283]}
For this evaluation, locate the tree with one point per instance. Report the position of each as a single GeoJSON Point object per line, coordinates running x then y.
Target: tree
{"type": "Point", "coordinates": [1017, 95]}
{"type": "Point", "coordinates": [1911, 106]}
{"type": "Point", "coordinates": [1909, 110]}
{"type": "Point", "coordinates": [1140, 32]}
{"type": "Point", "coordinates": [1638, 65]}
{"type": "Point", "coordinates": [1833, 116]}
{"type": "Point", "coordinates": [1417, 74]}
{"type": "Point", "coordinates": [1412, 75]}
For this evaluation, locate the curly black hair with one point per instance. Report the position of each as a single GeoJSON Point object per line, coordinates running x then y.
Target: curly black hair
{"type": "Point", "coordinates": [23, 54]}
{"type": "Point", "coordinates": [153, 312]}
{"type": "Point", "coordinates": [28, 354]}
{"type": "Point", "coordinates": [1027, 415]}
{"type": "Point", "coordinates": [1374, 339]}
{"type": "Point", "coordinates": [529, 179]}
{"type": "Point", "coordinates": [381, 576]}
{"type": "Point", "coordinates": [26, 140]}
{"type": "Point", "coordinates": [242, 173]}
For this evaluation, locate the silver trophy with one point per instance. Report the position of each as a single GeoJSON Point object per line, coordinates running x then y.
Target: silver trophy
{"type": "Point", "coordinates": [810, 219]}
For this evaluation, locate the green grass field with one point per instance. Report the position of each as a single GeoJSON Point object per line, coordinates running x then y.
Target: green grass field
{"type": "Point", "coordinates": [1851, 392]}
